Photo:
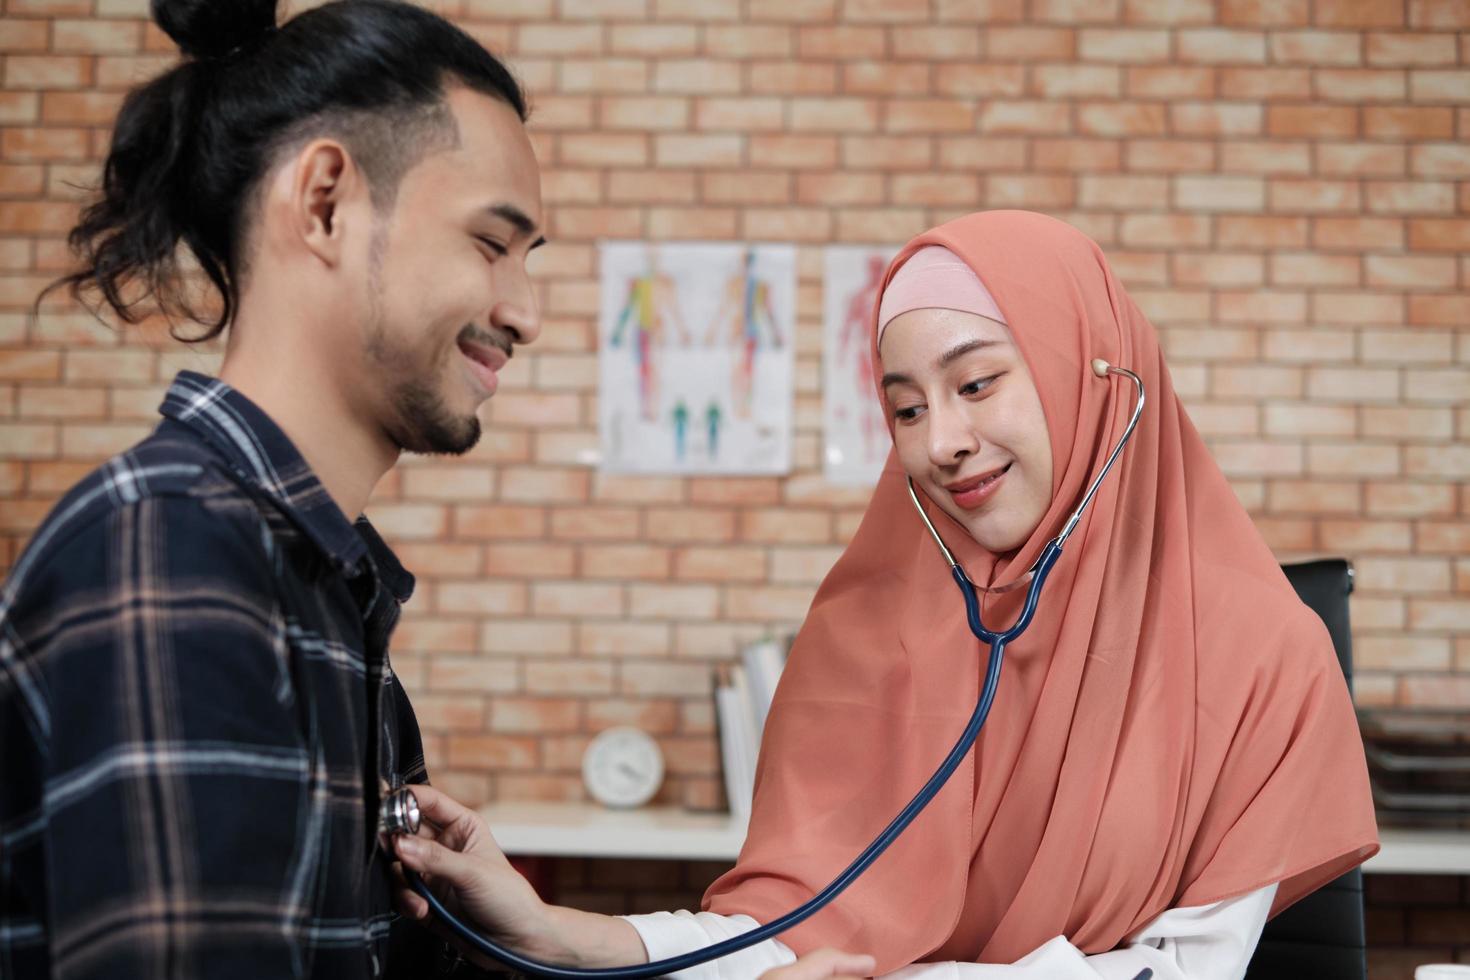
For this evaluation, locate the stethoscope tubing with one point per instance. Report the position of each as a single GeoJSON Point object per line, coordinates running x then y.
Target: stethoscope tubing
{"type": "Point", "coordinates": [998, 641]}
{"type": "Point", "coordinates": [839, 884]}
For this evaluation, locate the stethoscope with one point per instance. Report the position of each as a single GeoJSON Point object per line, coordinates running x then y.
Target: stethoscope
{"type": "Point", "coordinates": [400, 811]}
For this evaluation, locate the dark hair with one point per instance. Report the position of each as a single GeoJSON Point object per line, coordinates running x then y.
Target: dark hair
{"type": "Point", "coordinates": [189, 148]}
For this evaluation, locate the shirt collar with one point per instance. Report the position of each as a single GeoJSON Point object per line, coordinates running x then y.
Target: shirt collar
{"type": "Point", "coordinates": [265, 458]}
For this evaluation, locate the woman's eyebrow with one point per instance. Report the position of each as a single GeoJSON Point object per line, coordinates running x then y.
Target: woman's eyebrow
{"type": "Point", "coordinates": [960, 350]}
{"type": "Point", "coordinates": [945, 360]}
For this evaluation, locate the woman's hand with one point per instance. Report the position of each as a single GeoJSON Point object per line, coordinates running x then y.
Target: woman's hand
{"type": "Point", "coordinates": [825, 964]}
{"type": "Point", "coordinates": [464, 867]}
{"type": "Point", "coordinates": [458, 858]}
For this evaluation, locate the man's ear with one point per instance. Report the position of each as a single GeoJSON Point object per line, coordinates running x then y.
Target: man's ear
{"type": "Point", "coordinates": [326, 181]}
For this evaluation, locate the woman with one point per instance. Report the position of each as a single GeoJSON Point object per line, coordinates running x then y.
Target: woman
{"type": "Point", "coordinates": [1172, 755]}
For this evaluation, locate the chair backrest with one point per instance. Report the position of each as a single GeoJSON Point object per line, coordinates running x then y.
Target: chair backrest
{"type": "Point", "coordinates": [1322, 935]}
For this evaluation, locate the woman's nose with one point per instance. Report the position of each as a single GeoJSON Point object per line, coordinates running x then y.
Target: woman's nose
{"type": "Point", "coordinates": [951, 436]}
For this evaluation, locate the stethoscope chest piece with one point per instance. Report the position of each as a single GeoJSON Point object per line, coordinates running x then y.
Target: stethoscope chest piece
{"type": "Point", "coordinates": [398, 815]}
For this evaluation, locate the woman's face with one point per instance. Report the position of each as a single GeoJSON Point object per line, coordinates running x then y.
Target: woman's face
{"type": "Point", "coordinates": [968, 423]}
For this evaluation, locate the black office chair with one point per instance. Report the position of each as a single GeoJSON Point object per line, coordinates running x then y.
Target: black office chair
{"type": "Point", "coordinates": [1322, 935]}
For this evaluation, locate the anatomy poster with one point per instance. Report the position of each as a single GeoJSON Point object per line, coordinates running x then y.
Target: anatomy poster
{"type": "Point", "coordinates": [856, 434]}
{"type": "Point", "coordinates": [696, 357]}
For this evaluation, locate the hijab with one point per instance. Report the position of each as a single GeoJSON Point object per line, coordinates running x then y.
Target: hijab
{"type": "Point", "coordinates": [1172, 730]}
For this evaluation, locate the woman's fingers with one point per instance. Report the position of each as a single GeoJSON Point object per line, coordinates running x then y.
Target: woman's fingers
{"type": "Point", "coordinates": [439, 808]}
{"type": "Point", "coordinates": [446, 819]}
{"type": "Point", "coordinates": [431, 858]}
{"type": "Point", "coordinates": [825, 964]}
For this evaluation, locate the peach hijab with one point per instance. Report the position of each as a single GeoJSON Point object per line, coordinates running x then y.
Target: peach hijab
{"type": "Point", "coordinates": [1172, 730]}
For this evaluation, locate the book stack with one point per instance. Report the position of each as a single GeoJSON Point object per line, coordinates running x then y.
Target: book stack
{"type": "Point", "coordinates": [742, 701]}
{"type": "Point", "coordinates": [1419, 765]}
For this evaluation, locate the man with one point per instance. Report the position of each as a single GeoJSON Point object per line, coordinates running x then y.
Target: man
{"type": "Point", "coordinates": [198, 719]}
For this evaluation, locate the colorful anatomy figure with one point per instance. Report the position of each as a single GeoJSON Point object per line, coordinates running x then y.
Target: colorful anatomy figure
{"type": "Point", "coordinates": [712, 428]}
{"type": "Point", "coordinates": [681, 428]}
{"type": "Point", "coordinates": [652, 302]}
{"type": "Point", "coordinates": [746, 307]}
{"type": "Point", "coordinates": [856, 324]}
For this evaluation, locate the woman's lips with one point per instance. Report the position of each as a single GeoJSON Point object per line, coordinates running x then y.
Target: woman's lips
{"type": "Point", "coordinates": [973, 492]}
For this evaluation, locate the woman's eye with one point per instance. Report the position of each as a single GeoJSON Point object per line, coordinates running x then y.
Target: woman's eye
{"type": "Point", "coordinates": [978, 385]}
{"type": "Point", "coordinates": [908, 413]}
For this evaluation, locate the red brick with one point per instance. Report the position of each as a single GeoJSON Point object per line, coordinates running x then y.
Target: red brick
{"type": "Point", "coordinates": [1357, 233]}
{"type": "Point", "coordinates": [1411, 272]}
{"type": "Point", "coordinates": [840, 43]}
{"type": "Point", "coordinates": [927, 116]}
{"type": "Point", "coordinates": [1000, 117]}
{"type": "Point", "coordinates": [1121, 119]}
{"type": "Point", "coordinates": [1410, 50]}
{"type": "Point", "coordinates": [1314, 196]}
{"type": "Point", "coordinates": [1264, 13]}
{"type": "Point", "coordinates": [1170, 82]}
{"type": "Point", "coordinates": [1219, 193]}
{"type": "Point", "coordinates": [1316, 47]}
{"type": "Point", "coordinates": [1265, 157]}
{"type": "Point", "coordinates": [1221, 46]}
{"type": "Point", "coordinates": [1438, 13]}
{"type": "Point", "coordinates": [1088, 156]}
{"type": "Point", "coordinates": [1123, 45]}
{"type": "Point", "coordinates": [1076, 11]}
{"type": "Point", "coordinates": [890, 78]}
{"type": "Point", "coordinates": [1361, 160]}
{"type": "Point", "coordinates": [970, 153]}
{"type": "Point", "coordinates": [1432, 85]}
{"type": "Point", "coordinates": [1021, 191]}
{"type": "Point", "coordinates": [1311, 121]}
{"type": "Point", "coordinates": [1166, 230]}
{"type": "Point", "coordinates": [1440, 160]}
{"type": "Point", "coordinates": [980, 11]}
{"type": "Point", "coordinates": [1359, 13]}
{"type": "Point", "coordinates": [1268, 84]}
{"type": "Point", "coordinates": [980, 80]}
{"type": "Point", "coordinates": [1030, 43]}
{"type": "Point", "coordinates": [696, 76]}
{"type": "Point", "coordinates": [1409, 197]}
{"type": "Point", "coordinates": [1359, 85]}
{"type": "Point", "coordinates": [1169, 156]}
{"type": "Point", "coordinates": [1439, 233]}
{"type": "Point", "coordinates": [750, 40]}
{"type": "Point", "coordinates": [1404, 122]}
{"type": "Point", "coordinates": [834, 115]}
{"type": "Point", "coordinates": [934, 44]}
{"type": "Point", "coordinates": [1311, 269]}
{"type": "Point", "coordinates": [1215, 119]}
{"type": "Point", "coordinates": [791, 78]}
{"type": "Point", "coordinates": [95, 36]}
{"type": "Point", "coordinates": [1313, 497]}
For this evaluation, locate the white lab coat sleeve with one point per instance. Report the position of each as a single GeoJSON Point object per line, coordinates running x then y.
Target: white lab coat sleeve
{"type": "Point", "coordinates": [668, 934]}
{"type": "Point", "coordinates": [1207, 942]}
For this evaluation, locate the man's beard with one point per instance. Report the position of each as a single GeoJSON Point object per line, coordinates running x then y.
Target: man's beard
{"type": "Point", "coordinates": [424, 424]}
{"type": "Point", "coordinates": [421, 422]}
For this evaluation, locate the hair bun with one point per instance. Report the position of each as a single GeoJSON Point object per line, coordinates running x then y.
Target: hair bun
{"type": "Point", "coordinates": [207, 29]}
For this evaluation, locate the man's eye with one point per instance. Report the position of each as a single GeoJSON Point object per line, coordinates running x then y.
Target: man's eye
{"type": "Point", "coordinates": [493, 245]}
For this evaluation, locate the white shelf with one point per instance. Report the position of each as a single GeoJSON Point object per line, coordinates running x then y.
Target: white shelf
{"type": "Point", "coordinates": [1421, 852]}
{"type": "Point", "coordinates": [587, 830]}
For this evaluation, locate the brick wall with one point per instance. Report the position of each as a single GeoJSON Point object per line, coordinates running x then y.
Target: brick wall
{"type": "Point", "coordinates": [1284, 187]}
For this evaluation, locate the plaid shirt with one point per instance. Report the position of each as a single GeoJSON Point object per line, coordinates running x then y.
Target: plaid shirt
{"type": "Point", "coordinates": [198, 718]}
